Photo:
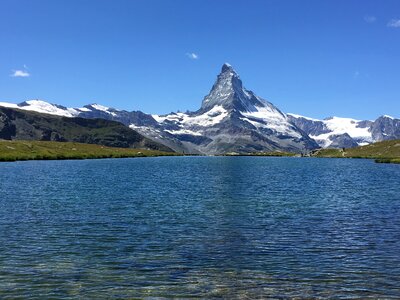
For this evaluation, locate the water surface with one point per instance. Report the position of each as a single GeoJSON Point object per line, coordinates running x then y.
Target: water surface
{"type": "Point", "coordinates": [232, 227]}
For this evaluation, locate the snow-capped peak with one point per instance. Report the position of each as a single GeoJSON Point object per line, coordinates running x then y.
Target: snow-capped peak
{"type": "Point", "coordinates": [227, 68]}
{"type": "Point", "coordinates": [47, 108]}
{"type": "Point", "coordinates": [35, 102]}
{"type": "Point", "coordinates": [228, 92]}
{"type": "Point", "coordinates": [58, 110]}
{"type": "Point", "coordinates": [98, 107]}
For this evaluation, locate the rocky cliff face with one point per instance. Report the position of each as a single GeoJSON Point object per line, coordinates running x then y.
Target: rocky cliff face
{"type": "Point", "coordinates": [385, 128]}
{"type": "Point", "coordinates": [234, 119]}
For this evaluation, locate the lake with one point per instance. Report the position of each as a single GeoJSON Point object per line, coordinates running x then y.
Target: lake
{"type": "Point", "coordinates": [233, 227]}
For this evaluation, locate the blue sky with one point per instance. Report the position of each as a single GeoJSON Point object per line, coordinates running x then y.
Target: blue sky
{"type": "Point", "coordinates": [315, 58]}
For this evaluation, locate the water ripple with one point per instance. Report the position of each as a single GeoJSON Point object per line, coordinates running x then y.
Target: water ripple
{"type": "Point", "coordinates": [200, 227]}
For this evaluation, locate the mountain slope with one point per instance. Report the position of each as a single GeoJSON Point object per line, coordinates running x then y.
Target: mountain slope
{"type": "Point", "coordinates": [138, 120]}
{"type": "Point", "coordinates": [382, 150]}
{"type": "Point", "coordinates": [385, 128]}
{"type": "Point", "coordinates": [18, 124]}
{"type": "Point", "coordinates": [233, 119]}
{"type": "Point", "coordinates": [337, 132]}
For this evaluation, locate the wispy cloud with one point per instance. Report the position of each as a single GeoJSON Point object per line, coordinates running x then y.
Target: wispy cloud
{"type": "Point", "coordinates": [21, 73]}
{"type": "Point", "coordinates": [356, 74]}
{"type": "Point", "coordinates": [369, 19]}
{"type": "Point", "coordinates": [394, 23]}
{"type": "Point", "coordinates": [192, 55]}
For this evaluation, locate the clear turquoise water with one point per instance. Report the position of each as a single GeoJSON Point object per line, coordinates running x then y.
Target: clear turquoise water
{"type": "Point", "coordinates": [232, 227]}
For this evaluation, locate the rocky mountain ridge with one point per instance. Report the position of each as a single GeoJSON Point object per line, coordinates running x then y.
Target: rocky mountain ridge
{"type": "Point", "coordinates": [335, 132]}
{"type": "Point", "coordinates": [17, 124]}
{"type": "Point", "coordinates": [234, 119]}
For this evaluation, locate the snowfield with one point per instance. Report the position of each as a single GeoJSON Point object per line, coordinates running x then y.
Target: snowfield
{"type": "Point", "coordinates": [210, 118]}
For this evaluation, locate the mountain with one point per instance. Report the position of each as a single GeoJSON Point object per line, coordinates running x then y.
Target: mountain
{"type": "Point", "coordinates": [135, 119]}
{"type": "Point", "coordinates": [335, 132]}
{"type": "Point", "coordinates": [385, 128]}
{"type": "Point", "coordinates": [16, 124]}
{"type": "Point", "coordinates": [234, 119]}
{"type": "Point", "coordinates": [231, 119]}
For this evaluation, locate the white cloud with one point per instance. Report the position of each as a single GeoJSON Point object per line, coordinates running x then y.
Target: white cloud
{"type": "Point", "coordinates": [192, 55]}
{"type": "Point", "coordinates": [394, 23]}
{"type": "Point", "coordinates": [20, 73]}
{"type": "Point", "coordinates": [369, 19]}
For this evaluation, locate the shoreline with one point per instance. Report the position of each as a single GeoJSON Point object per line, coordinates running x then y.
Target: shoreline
{"type": "Point", "coordinates": [11, 151]}
{"type": "Point", "coordinates": [52, 158]}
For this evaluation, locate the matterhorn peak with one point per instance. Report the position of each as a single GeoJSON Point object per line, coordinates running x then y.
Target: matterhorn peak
{"type": "Point", "coordinates": [227, 68]}
{"type": "Point", "coordinates": [228, 72]}
{"type": "Point", "coordinates": [228, 92]}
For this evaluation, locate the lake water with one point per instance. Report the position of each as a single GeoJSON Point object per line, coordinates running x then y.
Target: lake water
{"type": "Point", "coordinates": [232, 227]}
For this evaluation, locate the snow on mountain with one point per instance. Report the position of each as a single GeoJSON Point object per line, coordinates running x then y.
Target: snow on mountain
{"type": "Point", "coordinates": [345, 125]}
{"type": "Point", "coordinates": [10, 105]}
{"type": "Point", "coordinates": [209, 118]}
{"type": "Point", "coordinates": [55, 109]}
{"type": "Point", "coordinates": [100, 108]}
{"type": "Point", "coordinates": [183, 131]}
{"type": "Point", "coordinates": [234, 119]}
{"type": "Point", "coordinates": [268, 116]}
{"type": "Point", "coordinates": [339, 126]}
{"type": "Point", "coordinates": [44, 107]}
{"type": "Point", "coordinates": [335, 131]}
{"type": "Point", "coordinates": [385, 128]}
{"type": "Point", "coordinates": [228, 91]}
{"type": "Point", "coordinates": [302, 117]}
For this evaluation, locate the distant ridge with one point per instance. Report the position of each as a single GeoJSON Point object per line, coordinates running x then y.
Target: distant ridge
{"type": "Point", "coordinates": [16, 124]}
{"type": "Point", "coordinates": [234, 119]}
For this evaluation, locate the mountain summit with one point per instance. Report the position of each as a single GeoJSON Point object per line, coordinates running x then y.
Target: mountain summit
{"type": "Point", "coordinates": [228, 92]}
{"type": "Point", "coordinates": [234, 119]}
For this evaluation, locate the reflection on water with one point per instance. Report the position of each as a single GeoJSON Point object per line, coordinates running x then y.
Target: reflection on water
{"type": "Point", "coordinates": [232, 227]}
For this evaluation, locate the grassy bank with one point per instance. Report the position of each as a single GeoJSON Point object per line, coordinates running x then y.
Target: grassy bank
{"type": "Point", "coordinates": [43, 150]}
{"type": "Point", "coordinates": [382, 152]}
{"type": "Point", "coordinates": [388, 160]}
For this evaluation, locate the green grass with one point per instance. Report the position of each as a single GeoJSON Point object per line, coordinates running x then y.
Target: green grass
{"type": "Point", "coordinates": [388, 160]}
{"type": "Point", "coordinates": [384, 152]}
{"type": "Point", "coordinates": [43, 150]}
